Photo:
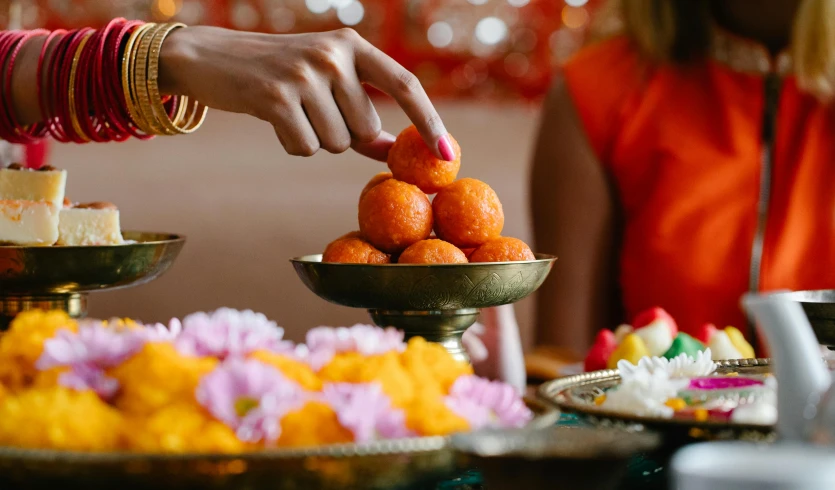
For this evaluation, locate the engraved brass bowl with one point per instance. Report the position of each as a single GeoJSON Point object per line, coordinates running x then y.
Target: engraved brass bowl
{"type": "Point", "coordinates": [404, 464]}
{"type": "Point", "coordinates": [820, 309]}
{"type": "Point", "coordinates": [61, 277]}
{"type": "Point", "coordinates": [436, 302]}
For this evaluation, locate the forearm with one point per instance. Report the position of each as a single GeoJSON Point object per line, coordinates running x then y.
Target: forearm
{"type": "Point", "coordinates": [24, 81]}
{"type": "Point", "coordinates": [575, 217]}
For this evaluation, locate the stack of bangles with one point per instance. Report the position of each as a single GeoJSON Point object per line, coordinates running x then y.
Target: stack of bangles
{"type": "Point", "coordinates": [97, 85]}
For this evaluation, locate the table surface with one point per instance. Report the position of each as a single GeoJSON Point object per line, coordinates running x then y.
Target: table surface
{"type": "Point", "coordinates": [646, 472]}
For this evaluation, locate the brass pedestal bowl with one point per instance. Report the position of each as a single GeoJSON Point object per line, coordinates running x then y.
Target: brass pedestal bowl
{"type": "Point", "coordinates": [436, 302]}
{"type": "Point", "coordinates": [820, 309]}
{"type": "Point", "coordinates": [61, 277]}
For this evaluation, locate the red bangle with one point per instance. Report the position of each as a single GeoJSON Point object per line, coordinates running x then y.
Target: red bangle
{"type": "Point", "coordinates": [88, 120]}
{"type": "Point", "coordinates": [43, 73]}
{"type": "Point", "coordinates": [79, 85]}
{"type": "Point", "coordinates": [6, 43]}
{"type": "Point", "coordinates": [114, 101]}
{"type": "Point", "coordinates": [72, 132]}
{"type": "Point", "coordinates": [57, 90]}
{"type": "Point", "coordinates": [111, 124]}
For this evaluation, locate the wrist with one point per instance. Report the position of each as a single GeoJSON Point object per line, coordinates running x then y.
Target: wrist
{"type": "Point", "coordinates": [177, 54]}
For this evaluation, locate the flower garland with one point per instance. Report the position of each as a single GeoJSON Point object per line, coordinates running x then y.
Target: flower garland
{"type": "Point", "coordinates": [227, 381]}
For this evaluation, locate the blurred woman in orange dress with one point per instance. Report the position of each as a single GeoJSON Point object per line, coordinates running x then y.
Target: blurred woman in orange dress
{"type": "Point", "coordinates": [684, 158]}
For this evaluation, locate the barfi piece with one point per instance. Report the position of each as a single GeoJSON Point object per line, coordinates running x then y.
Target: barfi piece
{"type": "Point", "coordinates": [89, 224]}
{"type": "Point", "coordinates": [28, 223]}
{"type": "Point", "coordinates": [20, 184]}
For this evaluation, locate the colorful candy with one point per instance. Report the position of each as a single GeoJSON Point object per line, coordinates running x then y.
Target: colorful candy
{"type": "Point", "coordinates": [631, 349]}
{"type": "Point", "coordinates": [738, 340]}
{"type": "Point", "coordinates": [655, 315]}
{"type": "Point", "coordinates": [601, 351]}
{"type": "Point", "coordinates": [655, 333]}
{"type": "Point", "coordinates": [684, 344]}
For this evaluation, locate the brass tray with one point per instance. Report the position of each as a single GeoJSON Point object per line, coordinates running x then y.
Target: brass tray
{"type": "Point", "coordinates": [576, 394]}
{"type": "Point", "coordinates": [393, 464]}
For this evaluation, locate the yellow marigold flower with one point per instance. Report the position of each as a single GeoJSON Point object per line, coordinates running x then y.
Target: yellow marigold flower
{"type": "Point", "coordinates": [352, 367]}
{"type": "Point", "coordinates": [312, 425]}
{"type": "Point", "coordinates": [676, 404]}
{"type": "Point", "coordinates": [49, 378]}
{"type": "Point", "coordinates": [181, 428]}
{"type": "Point", "coordinates": [429, 416]}
{"type": "Point", "coordinates": [426, 359]}
{"type": "Point", "coordinates": [22, 344]}
{"type": "Point", "coordinates": [294, 370]}
{"type": "Point", "coordinates": [59, 418]}
{"type": "Point", "coordinates": [158, 376]}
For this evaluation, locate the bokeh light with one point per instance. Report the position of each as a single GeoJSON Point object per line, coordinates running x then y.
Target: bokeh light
{"type": "Point", "coordinates": [440, 34]}
{"type": "Point", "coordinates": [491, 31]}
{"type": "Point", "coordinates": [351, 14]}
{"type": "Point", "coordinates": [317, 6]}
{"type": "Point", "coordinates": [574, 17]}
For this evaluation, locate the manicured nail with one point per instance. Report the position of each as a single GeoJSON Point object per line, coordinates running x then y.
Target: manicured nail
{"type": "Point", "coordinates": [445, 148]}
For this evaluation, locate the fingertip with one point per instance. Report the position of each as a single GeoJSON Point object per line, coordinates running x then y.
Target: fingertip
{"type": "Point", "coordinates": [445, 149]}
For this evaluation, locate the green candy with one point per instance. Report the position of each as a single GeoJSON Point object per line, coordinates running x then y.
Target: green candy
{"type": "Point", "coordinates": [684, 344]}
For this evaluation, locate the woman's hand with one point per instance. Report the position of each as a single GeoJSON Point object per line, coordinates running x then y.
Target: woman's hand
{"type": "Point", "coordinates": [308, 86]}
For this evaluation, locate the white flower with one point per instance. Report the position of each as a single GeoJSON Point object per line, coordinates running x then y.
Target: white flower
{"type": "Point", "coordinates": [644, 393]}
{"type": "Point", "coordinates": [680, 366]}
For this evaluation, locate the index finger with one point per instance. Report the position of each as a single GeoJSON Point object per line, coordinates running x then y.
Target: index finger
{"type": "Point", "coordinates": [379, 70]}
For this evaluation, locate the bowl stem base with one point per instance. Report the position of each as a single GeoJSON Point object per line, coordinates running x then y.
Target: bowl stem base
{"type": "Point", "coordinates": [75, 304]}
{"type": "Point", "coordinates": [445, 327]}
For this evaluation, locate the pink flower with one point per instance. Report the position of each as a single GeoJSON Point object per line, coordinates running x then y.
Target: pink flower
{"type": "Point", "coordinates": [325, 342]}
{"type": "Point", "coordinates": [250, 397]}
{"type": "Point", "coordinates": [94, 343]}
{"type": "Point", "coordinates": [88, 352]}
{"type": "Point", "coordinates": [86, 377]}
{"type": "Point", "coordinates": [486, 403]}
{"type": "Point", "coordinates": [160, 333]}
{"type": "Point", "coordinates": [227, 333]}
{"type": "Point", "coordinates": [366, 411]}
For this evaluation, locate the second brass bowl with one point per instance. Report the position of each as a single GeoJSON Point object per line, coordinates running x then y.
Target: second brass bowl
{"type": "Point", "coordinates": [43, 271]}
{"type": "Point", "coordinates": [408, 287]}
{"type": "Point", "coordinates": [819, 307]}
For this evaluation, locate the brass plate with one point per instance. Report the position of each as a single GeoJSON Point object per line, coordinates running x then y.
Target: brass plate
{"type": "Point", "coordinates": [576, 394]}
{"type": "Point", "coordinates": [394, 464]}
{"type": "Point", "coordinates": [45, 271]}
{"type": "Point", "coordinates": [411, 287]}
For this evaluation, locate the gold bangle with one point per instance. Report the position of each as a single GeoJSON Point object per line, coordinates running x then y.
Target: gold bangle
{"type": "Point", "coordinates": [178, 124]}
{"type": "Point", "coordinates": [128, 67]}
{"type": "Point", "coordinates": [140, 81]}
{"type": "Point", "coordinates": [76, 125]}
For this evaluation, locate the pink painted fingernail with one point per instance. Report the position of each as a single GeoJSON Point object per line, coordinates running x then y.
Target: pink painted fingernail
{"type": "Point", "coordinates": [445, 148]}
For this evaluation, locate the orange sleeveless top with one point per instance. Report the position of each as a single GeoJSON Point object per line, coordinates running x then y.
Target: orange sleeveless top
{"type": "Point", "coordinates": [725, 172]}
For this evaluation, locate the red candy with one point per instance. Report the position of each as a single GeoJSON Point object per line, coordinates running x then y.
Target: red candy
{"type": "Point", "coordinates": [598, 356]}
{"type": "Point", "coordinates": [652, 315]}
{"type": "Point", "coordinates": [705, 333]}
